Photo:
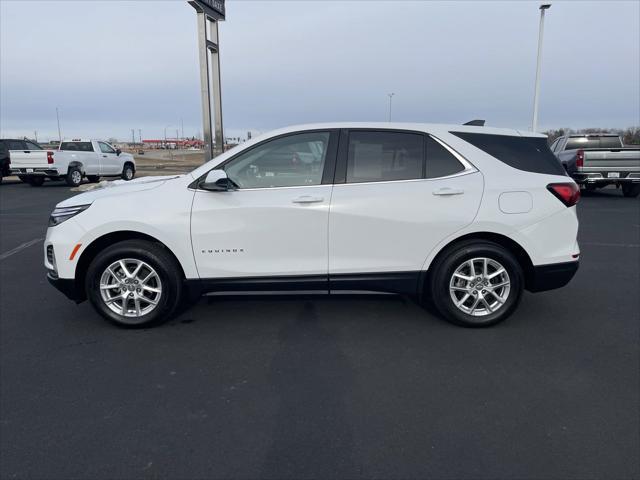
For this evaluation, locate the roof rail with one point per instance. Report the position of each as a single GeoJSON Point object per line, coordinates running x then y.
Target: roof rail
{"type": "Point", "coordinates": [475, 123]}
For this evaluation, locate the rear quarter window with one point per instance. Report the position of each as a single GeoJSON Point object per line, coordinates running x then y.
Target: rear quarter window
{"type": "Point", "coordinates": [530, 154]}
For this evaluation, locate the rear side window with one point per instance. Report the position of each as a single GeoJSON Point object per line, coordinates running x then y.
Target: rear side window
{"type": "Point", "coordinates": [77, 146]}
{"type": "Point", "coordinates": [376, 156]}
{"type": "Point", "coordinates": [440, 162]}
{"type": "Point", "coordinates": [16, 145]}
{"type": "Point", "coordinates": [33, 146]}
{"type": "Point", "coordinates": [530, 154]}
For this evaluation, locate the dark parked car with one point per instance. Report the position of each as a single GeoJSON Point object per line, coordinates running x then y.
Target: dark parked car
{"type": "Point", "coordinates": [7, 144]}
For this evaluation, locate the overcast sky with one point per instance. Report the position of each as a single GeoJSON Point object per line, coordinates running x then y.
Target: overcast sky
{"type": "Point", "coordinates": [112, 65]}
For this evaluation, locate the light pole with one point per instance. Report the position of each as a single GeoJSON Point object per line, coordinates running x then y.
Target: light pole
{"type": "Point", "coordinates": [165, 136]}
{"type": "Point", "coordinates": [166, 147]}
{"type": "Point", "coordinates": [58, 118]}
{"type": "Point", "coordinates": [534, 122]}
{"type": "Point", "coordinates": [390, 95]}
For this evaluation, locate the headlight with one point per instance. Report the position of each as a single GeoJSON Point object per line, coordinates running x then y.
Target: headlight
{"type": "Point", "coordinates": [62, 214]}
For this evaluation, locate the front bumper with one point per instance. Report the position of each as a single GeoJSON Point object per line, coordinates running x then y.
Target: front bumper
{"type": "Point", "coordinates": [552, 276]}
{"type": "Point", "coordinates": [66, 286]}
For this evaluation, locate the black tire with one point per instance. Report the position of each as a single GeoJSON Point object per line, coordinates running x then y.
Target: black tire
{"type": "Point", "coordinates": [35, 181]}
{"type": "Point", "coordinates": [155, 256]}
{"type": "Point", "coordinates": [73, 177]}
{"type": "Point", "coordinates": [631, 190]}
{"type": "Point", "coordinates": [93, 178]}
{"type": "Point", "coordinates": [128, 172]}
{"type": "Point", "coordinates": [454, 257]}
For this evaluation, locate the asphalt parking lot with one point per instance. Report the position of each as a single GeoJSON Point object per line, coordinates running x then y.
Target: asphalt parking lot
{"type": "Point", "coordinates": [318, 387]}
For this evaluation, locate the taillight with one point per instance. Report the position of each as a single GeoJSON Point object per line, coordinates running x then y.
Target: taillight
{"type": "Point", "coordinates": [49, 157]}
{"type": "Point", "coordinates": [580, 158]}
{"type": "Point", "coordinates": [567, 193]}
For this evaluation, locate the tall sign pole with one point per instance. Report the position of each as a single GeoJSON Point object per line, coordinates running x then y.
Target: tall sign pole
{"type": "Point", "coordinates": [210, 13]}
{"type": "Point", "coordinates": [534, 121]}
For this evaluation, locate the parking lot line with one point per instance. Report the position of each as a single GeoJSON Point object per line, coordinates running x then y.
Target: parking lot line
{"type": "Point", "coordinates": [19, 248]}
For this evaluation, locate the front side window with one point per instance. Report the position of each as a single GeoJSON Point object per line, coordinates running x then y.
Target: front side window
{"type": "Point", "coordinates": [105, 148]}
{"type": "Point", "coordinates": [291, 161]}
{"type": "Point", "coordinates": [376, 156]}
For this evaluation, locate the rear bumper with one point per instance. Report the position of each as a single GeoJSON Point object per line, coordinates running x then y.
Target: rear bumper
{"type": "Point", "coordinates": [603, 178]}
{"type": "Point", "coordinates": [66, 286]}
{"type": "Point", "coordinates": [40, 172]}
{"type": "Point", "coordinates": [550, 277]}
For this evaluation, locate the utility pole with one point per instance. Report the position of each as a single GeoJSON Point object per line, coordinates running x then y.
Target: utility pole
{"type": "Point", "coordinates": [133, 136]}
{"type": "Point", "coordinates": [390, 95]}
{"type": "Point", "coordinates": [534, 122]}
{"type": "Point", "coordinates": [182, 127]}
{"type": "Point", "coordinates": [140, 135]}
{"type": "Point", "coordinates": [59, 131]}
{"type": "Point", "coordinates": [35, 134]}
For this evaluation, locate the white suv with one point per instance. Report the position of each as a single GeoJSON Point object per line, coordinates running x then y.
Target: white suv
{"type": "Point", "coordinates": [465, 216]}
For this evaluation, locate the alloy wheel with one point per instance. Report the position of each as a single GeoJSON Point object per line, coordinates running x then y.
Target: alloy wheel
{"type": "Point", "coordinates": [479, 286]}
{"type": "Point", "coordinates": [130, 288]}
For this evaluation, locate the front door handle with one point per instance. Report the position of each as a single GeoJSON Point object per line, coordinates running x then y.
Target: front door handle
{"type": "Point", "coordinates": [104, 156]}
{"type": "Point", "coordinates": [308, 199]}
{"type": "Point", "coordinates": [448, 191]}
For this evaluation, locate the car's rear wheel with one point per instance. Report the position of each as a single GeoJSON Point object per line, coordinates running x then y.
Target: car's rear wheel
{"type": "Point", "coordinates": [35, 181]}
{"type": "Point", "coordinates": [74, 177]}
{"type": "Point", "coordinates": [476, 284]}
{"type": "Point", "coordinates": [134, 283]}
{"type": "Point", "coordinates": [128, 172]}
{"type": "Point", "coordinates": [631, 189]}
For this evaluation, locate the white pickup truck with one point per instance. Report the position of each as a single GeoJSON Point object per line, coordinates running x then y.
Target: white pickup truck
{"type": "Point", "coordinates": [73, 161]}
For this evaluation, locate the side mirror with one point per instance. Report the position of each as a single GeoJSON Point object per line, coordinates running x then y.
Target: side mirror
{"type": "Point", "coordinates": [217, 181]}
{"type": "Point", "coordinates": [118, 151]}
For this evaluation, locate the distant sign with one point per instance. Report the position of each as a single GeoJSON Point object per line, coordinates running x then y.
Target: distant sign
{"type": "Point", "coordinates": [213, 8]}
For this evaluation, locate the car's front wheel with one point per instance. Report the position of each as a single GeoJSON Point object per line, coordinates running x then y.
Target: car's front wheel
{"type": "Point", "coordinates": [134, 283]}
{"type": "Point", "coordinates": [476, 284]}
{"type": "Point", "coordinates": [128, 172]}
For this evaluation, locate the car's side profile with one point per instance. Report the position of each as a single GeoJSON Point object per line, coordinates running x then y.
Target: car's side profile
{"type": "Point", "coordinates": [464, 216]}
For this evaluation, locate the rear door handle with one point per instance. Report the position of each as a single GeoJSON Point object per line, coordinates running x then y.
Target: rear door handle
{"type": "Point", "coordinates": [308, 199]}
{"type": "Point", "coordinates": [104, 156]}
{"type": "Point", "coordinates": [444, 191]}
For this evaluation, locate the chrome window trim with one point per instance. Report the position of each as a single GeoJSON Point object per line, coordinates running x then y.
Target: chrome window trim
{"type": "Point", "coordinates": [468, 166]}
{"type": "Point", "coordinates": [454, 175]}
